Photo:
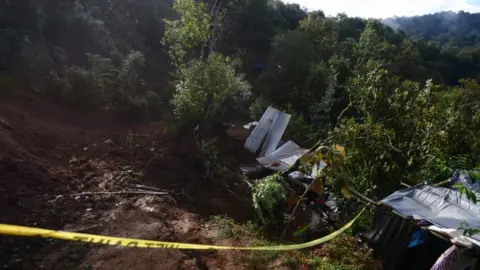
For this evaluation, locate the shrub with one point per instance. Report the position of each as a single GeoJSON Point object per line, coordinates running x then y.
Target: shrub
{"type": "Point", "coordinates": [101, 82]}
{"type": "Point", "coordinates": [208, 156]}
{"type": "Point", "coordinates": [258, 107]}
{"type": "Point", "coordinates": [130, 72]}
{"type": "Point", "coordinates": [300, 131]}
{"type": "Point", "coordinates": [208, 90]}
{"type": "Point", "coordinates": [55, 86]}
{"type": "Point", "coordinates": [81, 86]}
{"type": "Point", "coordinates": [103, 73]}
{"type": "Point", "coordinates": [268, 194]}
{"type": "Point", "coordinates": [136, 108]}
{"type": "Point", "coordinates": [94, 84]}
{"type": "Point", "coordinates": [343, 252]}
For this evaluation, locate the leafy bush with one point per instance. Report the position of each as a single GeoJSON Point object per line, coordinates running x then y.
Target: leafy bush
{"type": "Point", "coordinates": [268, 194]}
{"type": "Point", "coordinates": [90, 85]}
{"type": "Point", "coordinates": [101, 82]}
{"type": "Point", "coordinates": [208, 90]}
{"type": "Point", "coordinates": [81, 86]}
{"type": "Point", "coordinates": [301, 131]}
{"type": "Point", "coordinates": [55, 86]}
{"type": "Point", "coordinates": [185, 36]}
{"type": "Point", "coordinates": [208, 156]}
{"type": "Point", "coordinates": [131, 68]}
{"type": "Point", "coordinates": [104, 74]}
{"type": "Point", "coordinates": [403, 125]}
{"type": "Point", "coordinates": [258, 107]}
{"type": "Point", "coordinates": [136, 108]}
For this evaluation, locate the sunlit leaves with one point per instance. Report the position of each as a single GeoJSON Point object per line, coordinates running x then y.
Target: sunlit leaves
{"type": "Point", "coordinates": [208, 90]}
{"type": "Point", "coordinates": [266, 194]}
{"type": "Point", "coordinates": [188, 33]}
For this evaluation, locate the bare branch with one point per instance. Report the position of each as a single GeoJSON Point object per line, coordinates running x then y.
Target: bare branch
{"type": "Point", "coordinates": [119, 192]}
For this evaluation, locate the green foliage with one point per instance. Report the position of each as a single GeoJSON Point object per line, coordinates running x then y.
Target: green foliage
{"type": "Point", "coordinates": [344, 80]}
{"type": "Point", "coordinates": [468, 230]}
{"type": "Point", "coordinates": [373, 47]}
{"type": "Point", "coordinates": [81, 86]}
{"type": "Point", "coordinates": [250, 25]}
{"type": "Point", "coordinates": [208, 156]}
{"type": "Point", "coordinates": [343, 253]}
{"type": "Point", "coordinates": [101, 82]}
{"type": "Point", "coordinates": [340, 253]}
{"type": "Point", "coordinates": [303, 77]}
{"type": "Point", "coordinates": [184, 37]}
{"type": "Point", "coordinates": [300, 130]}
{"type": "Point", "coordinates": [208, 90]}
{"type": "Point", "coordinates": [267, 195]}
{"type": "Point", "coordinates": [225, 225]}
{"type": "Point", "coordinates": [248, 232]}
{"type": "Point", "coordinates": [466, 191]}
{"type": "Point", "coordinates": [137, 108]}
{"type": "Point", "coordinates": [258, 107]}
{"type": "Point", "coordinates": [436, 27]}
{"type": "Point", "coordinates": [130, 73]}
{"type": "Point", "coordinates": [403, 135]}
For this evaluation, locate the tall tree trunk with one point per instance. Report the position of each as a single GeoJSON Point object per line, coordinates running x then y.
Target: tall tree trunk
{"type": "Point", "coordinates": [209, 45]}
{"type": "Point", "coordinates": [208, 48]}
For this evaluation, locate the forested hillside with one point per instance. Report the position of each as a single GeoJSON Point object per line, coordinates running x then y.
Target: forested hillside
{"type": "Point", "coordinates": [448, 28]}
{"type": "Point", "coordinates": [405, 104]}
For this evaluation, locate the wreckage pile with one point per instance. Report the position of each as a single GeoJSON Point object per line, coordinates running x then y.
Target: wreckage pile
{"type": "Point", "coordinates": [413, 228]}
{"type": "Point", "coordinates": [313, 208]}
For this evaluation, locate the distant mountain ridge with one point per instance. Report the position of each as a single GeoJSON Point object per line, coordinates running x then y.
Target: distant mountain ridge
{"type": "Point", "coordinates": [447, 27]}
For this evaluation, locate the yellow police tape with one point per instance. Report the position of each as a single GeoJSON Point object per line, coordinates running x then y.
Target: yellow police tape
{"type": "Point", "coordinates": [129, 242]}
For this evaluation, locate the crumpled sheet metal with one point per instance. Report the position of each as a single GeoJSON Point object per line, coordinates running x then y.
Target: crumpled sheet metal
{"type": "Point", "coordinates": [444, 207]}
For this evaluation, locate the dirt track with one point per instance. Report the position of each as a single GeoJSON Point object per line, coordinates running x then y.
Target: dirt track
{"type": "Point", "coordinates": [49, 152]}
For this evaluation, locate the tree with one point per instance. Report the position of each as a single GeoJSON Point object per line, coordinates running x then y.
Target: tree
{"type": "Point", "coordinates": [206, 86]}
{"type": "Point", "coordinates": [300, 72]}
{"type": "Point", "coordinates": [208, 91]}
{"type": "Point", "coordinates": [185, 37]}
{"type": "Point", "coordinates": [403, 126]}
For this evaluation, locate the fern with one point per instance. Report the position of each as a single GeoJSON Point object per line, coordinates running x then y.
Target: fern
{"type": "Point", "coordinates": [460, 162]}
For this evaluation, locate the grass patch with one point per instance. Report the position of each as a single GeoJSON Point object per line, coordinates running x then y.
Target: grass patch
{"type": "Point", "coordinates": [341, 253]}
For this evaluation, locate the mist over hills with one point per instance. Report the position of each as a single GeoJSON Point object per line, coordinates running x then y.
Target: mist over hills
{"type": "Point", "coordinates": [448, 27]}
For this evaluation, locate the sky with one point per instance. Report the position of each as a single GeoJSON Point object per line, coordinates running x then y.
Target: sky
{"type": "Point", "coordinates": [387, 8]}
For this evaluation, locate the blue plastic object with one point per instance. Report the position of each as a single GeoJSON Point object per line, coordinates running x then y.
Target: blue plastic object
{"type": "Point", "coordinates": [418, 238]}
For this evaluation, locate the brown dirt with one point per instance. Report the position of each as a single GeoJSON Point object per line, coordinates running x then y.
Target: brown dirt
{"type": "Point", "coordinates": [49, 154]}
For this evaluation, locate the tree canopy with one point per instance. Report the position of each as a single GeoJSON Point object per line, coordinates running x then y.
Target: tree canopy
{"type": "Point", "coordinates": [403, 100]}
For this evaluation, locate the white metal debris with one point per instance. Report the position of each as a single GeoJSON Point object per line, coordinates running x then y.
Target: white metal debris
{"type": "Point", "coordinates": [267, 134]}
{"type": "Point", "coordinates": [255, 140]}
{"type": "Point", "coordinates": [275, 133]}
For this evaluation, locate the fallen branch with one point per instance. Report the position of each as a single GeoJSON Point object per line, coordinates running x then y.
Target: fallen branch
{"type": "Point", "coordinates": [404, 184]}
{"type": "Point", "coordinates": [144, 187]}
{"type": "Point", "coordinates": [248, 183]}
{"type": "Point", "coordinates": [350, 105]}
{"type": "Point", "coordinates": [119, 192]}
{"type": "Point", "coordinates": [361, 196]}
